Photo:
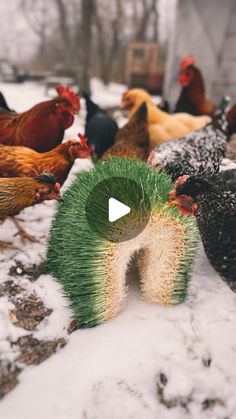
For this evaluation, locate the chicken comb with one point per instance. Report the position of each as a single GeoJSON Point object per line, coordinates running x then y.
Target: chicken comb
{"type": "Point", "coordinates": [181, 180]}
{"type": "Point", "coordinates": [83, 142]}
{"type": "Point", "coordinates": [46, 178]}
{"type": "Point", "coordinates": [187, 61]}
{"type": "Point", "coordinates": [65, 91]}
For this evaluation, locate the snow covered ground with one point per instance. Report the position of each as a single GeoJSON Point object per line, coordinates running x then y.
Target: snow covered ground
{"type": "Point", "coordinates": [148, 363]}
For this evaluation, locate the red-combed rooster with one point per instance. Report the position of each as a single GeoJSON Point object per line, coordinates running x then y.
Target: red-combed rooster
{"type": "Point", "coordinates": [193, 97]}
{"type": "Point", "coordinates": [41, 127]}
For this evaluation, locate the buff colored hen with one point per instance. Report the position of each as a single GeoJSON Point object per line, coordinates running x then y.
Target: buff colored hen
{"type": "Point", "coordinates": [162, 126]}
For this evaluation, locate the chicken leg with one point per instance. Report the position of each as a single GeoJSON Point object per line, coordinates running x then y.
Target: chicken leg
{"type": "Point", "coordinates": [8, 245]}
{"type": "Point", "coordinates": [23, 234]}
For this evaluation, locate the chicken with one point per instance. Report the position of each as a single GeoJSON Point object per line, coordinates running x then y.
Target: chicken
{"type": "Point", "coordinates": [42, 127]}
{"type": "Point", "coordinates": [213, 202]}
{"type": "Point", "coordinates": [231, 118]}
{"type": "Point", "coordinates": [161, 125]}
{"type": "Point", "coordinates": [3, 103]}
{"type": "Point", "coordinates": [200, 152]}
{"type": "Point", "coordinates": [132, 140]}
{"type": "Point", "coordinates": [16, 161]}
{"type": "Point", "coordinates": [19, 193]}
{"type": "Point", "coordinates": [100, 129]}
{"type": "Point", "coordinates": [192, 98]}
{"type": "Point", "coordinates": [164, 105]}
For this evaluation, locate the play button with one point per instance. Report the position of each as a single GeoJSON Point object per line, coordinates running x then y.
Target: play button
{"type": "Point", "coordinates": [116, 210]}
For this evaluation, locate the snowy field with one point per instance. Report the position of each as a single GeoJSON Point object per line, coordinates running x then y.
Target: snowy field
{"type": "Point", "coordinates": [148, 363]}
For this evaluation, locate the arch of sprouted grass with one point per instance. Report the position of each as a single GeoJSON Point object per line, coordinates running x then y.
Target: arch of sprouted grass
{"type": "Point", "coordinates": [92, 269]}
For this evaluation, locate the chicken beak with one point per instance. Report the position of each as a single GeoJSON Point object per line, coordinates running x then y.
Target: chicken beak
{"type": "Point", "coordinates": [171, 203]}
{"type": "Point", "coordinates": [126, 104]}
{"type": "Point", "coordinates": [172, 199]}
{"type": "Point", "coordinates": [60, 199]}
{"type": "Point", "coordinates": [57, 187]}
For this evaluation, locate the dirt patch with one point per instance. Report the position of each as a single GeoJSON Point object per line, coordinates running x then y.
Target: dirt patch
{"type": "Point", "coordinates": [170, 403]}
{"type": "Point", "coordinates": [10, 289]}
{"type": "Point", "coordinates": [183, 402]}
{"type": "Point", "coordinates": [211, 403]}
{"type": "Point", "coordinates": [8, 377]}
{"type": "Point", "coordinates": [34, 351]}
{"type": "Point", "coordinates": [29, 312]}
{"type": "Point", "coordinates": [32, 272]}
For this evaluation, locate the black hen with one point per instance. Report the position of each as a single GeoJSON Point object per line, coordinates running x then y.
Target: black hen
{"type": "Point", "coordinates": [100, 129]}
{"type": "Point", "coordinates": [213, 202]}
{"type": "Point", "coordinates": [199, 153]}
{"type": "Point", "coordinates": [3, 103]}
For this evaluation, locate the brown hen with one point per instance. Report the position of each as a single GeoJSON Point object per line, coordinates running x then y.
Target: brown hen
{"type": "Point", "coordinates": [22, 161]}
{"type": "Point", "coordinates": [19, 193]}
{"type": "Point", "coordinates": [132, 140]}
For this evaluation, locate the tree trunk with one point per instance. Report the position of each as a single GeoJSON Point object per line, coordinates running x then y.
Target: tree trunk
{"type": "Point", "coordinates": [62, 12]}
{"type": "Point", "coordinates": [148, 10]}
{"type": "Point", "coordinates": [108, 51]}
{"type": "Point", "coordinates": [155, 20]}
{"type": "Point", "coordinates": [88, 8]}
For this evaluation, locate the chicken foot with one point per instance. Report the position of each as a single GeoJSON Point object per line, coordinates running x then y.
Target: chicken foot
{"type": "Point", "coordinates": [23, 234]}
{"type": "Point", "coordinates": [5, 244]}
{"type": "Point", "coordinates": [8, 245]}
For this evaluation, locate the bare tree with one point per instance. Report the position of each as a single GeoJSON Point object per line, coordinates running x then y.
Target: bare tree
{"type": "Point", "coordinates": [88, 8]}
{"type": "Point", "coordinates": [155, 20]}
{"type": "Point", "coordinates": [48, 24]}
{"type": "Point", "coordinates": [147, 9]}
{"type": "Point", "coordinates": [107, 51]}
{"type": "Point", "coordinates": [71, 32]}
{"type": "Point", "coordinates": [135, 17]}
{"type": "Point", "coordinates": [36, 17]}
{"type": "Point", "coordinates": [62, 13]}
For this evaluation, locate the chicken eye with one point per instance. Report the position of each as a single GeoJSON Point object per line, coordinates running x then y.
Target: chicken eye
{"type": "Point", "coordinates": [184, 198]}
{"type": "Point", "coordinates": [37, 196]}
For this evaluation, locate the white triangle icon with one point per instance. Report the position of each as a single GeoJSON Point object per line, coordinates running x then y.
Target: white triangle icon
{"type": "Point", "coordinates": [116, 210]}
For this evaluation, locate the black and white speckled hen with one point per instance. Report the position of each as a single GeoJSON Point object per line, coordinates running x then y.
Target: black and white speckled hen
{"type": "Point", "coordinates": [199, 153]}
{"type": "Point", "coordinates": [213, 202]}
